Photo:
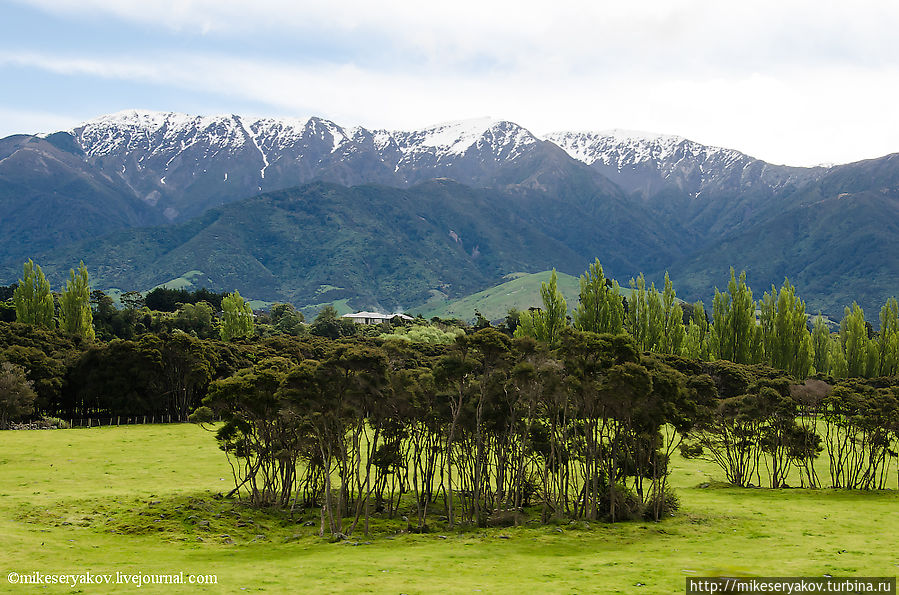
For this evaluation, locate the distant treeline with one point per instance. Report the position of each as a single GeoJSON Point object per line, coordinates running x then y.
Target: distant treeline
{"type": "Point", "coordinates": [775, 330]}
{"type": "Point", "coordinates": [163, 299]}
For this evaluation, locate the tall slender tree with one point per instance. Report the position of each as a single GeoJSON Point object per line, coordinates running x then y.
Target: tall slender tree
{"type": "Point", "coordinates": [545, 324]}
{"type": "Point", "coordinates": [733, 334]}
{"type": "Point", "coordinates": [888, 342]}
{"type": "Point", "coordinates": [786, 341]}
{"type": "Point", "coordinates": [696, 342]}
{"type": "Point", "coordinates": [854, 341]}
{"type": "Point", "coordinates": [600, 309]}
{"type": "Point", "coordinates": [32, 297]}
{"type": "Point", "coordinates": [75, 316]}
{"type": "Point", "coordinates": [646, 315]}
{"type": "Point", "coordinates": [237, 317]}
{"type": "Point", "coordinates": [673, 332]}
{"type": "Point", "coordinates": [821, 342]}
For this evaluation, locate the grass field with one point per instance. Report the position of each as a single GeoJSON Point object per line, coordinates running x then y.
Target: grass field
{"type": "Point", "coordinates": [138, 499]}
{"type": "Point", "coordinates": [521, 291]}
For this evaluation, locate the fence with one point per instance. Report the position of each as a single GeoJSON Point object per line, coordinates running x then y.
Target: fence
{"type": "Point", "coordinates": [96, 422]}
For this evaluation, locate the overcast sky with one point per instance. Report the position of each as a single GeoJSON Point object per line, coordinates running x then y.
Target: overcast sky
{"type": "Point", "coordinates": [789, 81]}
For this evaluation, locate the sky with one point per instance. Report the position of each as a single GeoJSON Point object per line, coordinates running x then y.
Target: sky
{"type": "Point", "coordinates": [794, 82]}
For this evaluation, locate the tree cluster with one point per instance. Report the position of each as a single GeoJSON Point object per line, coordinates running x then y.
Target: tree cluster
{"type": "Point", "coordinates": [775, 330]}
{"type": "Point", "coordinates": [479, 428]}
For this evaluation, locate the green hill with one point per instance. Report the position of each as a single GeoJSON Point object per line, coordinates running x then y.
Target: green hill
{"type": "Point", "coordinates": [521, 291]}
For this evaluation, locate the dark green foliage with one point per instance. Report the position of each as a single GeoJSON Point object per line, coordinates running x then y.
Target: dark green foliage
{"type": "Point", "coordinates": [121, 378]}
{"type": "Point", "coordinates": [154, 375]}
{"type": "Point", "coordinates": [661, 505]}
{"type": "Point", "coordinates": [45, 355]}
{"type": "Point", "coordinates": [112, 323]}
{"type": "Point", "coordinates": [7, 311]}
{"type": "Point", "coordinates": [329, 324]}
{"type": "Point", "coordinates": [375, 245]}
{"type": "Point", "coordinates": [286, 319]}
{"type": "Point", "coordinates": [163, 299]}
{"type": "Point", "coordinates": [835, 240]}
{"type": "Point", "coordinates": [16, 394]}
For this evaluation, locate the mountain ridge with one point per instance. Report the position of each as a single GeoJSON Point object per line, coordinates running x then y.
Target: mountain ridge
{"type": "Point", "coordinates": [638, 201]}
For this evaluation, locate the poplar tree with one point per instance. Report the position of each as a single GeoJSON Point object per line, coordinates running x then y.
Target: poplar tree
{"type": "Point", "coordinates": [838, 366]}
{"type": "Point", "coordinates": [696, 341]}
{"type": "Point", "coordinates": [646, 315]}
{"type": "Point", "coordinates": [32, 297]}
{"type": "Point", "coordinates": [237, 317]}
{"type": "Point", "coordinates": [888, 343]}
{"type": "Point", "coordinates": [545, 324]}
{"type": "Point", "coordinates": [734, 335]}
{"type": "Point", "coordinates": [786, 341]}
{"type": "Point", "coordinates": [821, 346]}
{"type": "Point", "coordinates": [673, 332]}
{"type": "Point", "coordinates": [599, 309]}
{"type": "Point", "coordinates": [854, 341]}
{"type": "Point", "coordinates": [75, 315]}
{"type": "Point", "coordinates": [637, 318]}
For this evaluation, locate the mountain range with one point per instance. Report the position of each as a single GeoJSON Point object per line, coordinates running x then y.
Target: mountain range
{"type": "Point", "coordinates": [310, 211]}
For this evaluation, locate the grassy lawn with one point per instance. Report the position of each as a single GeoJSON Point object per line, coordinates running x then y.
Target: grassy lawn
{"type": "Point", "coordinates": [139, 499]}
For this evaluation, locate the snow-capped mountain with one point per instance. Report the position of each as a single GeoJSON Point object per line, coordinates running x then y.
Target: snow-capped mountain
{"type": "Point", "coordinates": [182, 164]}
{"type": "Point", "coordinates": [171, 166]}
{"type": "Point", "coordinates": [216, 159]}
{"type": "Point", "coordinates": [647, 164]}
{"type": "Point", "coordinates": [637, 201]}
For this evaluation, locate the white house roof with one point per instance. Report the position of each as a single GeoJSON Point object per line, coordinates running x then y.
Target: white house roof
{"type": "Point", "coordinates": [376, 315]}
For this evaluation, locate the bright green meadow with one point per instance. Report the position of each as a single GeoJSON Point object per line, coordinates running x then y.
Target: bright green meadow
{"type": "Point", "coordinates": [141, 499]}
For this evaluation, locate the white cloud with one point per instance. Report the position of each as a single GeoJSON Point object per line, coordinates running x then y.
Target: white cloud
{"type": "Point", "coordinates": [667, 35]}
{"type": "Point", "coordinates": [794, 81]}
{"type": "Point", "coordinates": [824, 115]}
{"type": "Point", "coordinates": [16, 121]}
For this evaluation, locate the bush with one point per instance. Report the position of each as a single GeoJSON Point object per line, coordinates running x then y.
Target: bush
{"type": "Point", "coordinates": [506, 518]}
{"type": "Point", "coordinates": [16, 394]}
{"type": "Point", "coordinates": [661, 505]}
{"type": "Point", "coordinates": [627, 504]}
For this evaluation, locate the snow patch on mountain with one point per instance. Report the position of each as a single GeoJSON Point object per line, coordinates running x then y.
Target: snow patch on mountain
{"type": "Point", "coordinates": [170, 142]}
{"type": "Point", "coordinates": [156, 133]}
{"type": "Point", "coordinates": [150, 134]}
{"type": "Point", "coordinates": [446, 142]}
{"type": "Point", "coordinates": [623, 148]}
{"type": "Point", "coordinates": [450, 137]}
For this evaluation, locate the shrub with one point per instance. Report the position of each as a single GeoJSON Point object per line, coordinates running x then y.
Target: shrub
{"type": "Point", "coordinates": [627, 504]}
{"type": "Point", "coordinates": [661, 505]}
{"type": "Point", "coordinates": [57, 423]}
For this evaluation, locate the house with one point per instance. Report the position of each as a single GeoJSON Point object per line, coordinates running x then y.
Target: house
{"type": "Point", "coordinates": [374, 317]}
